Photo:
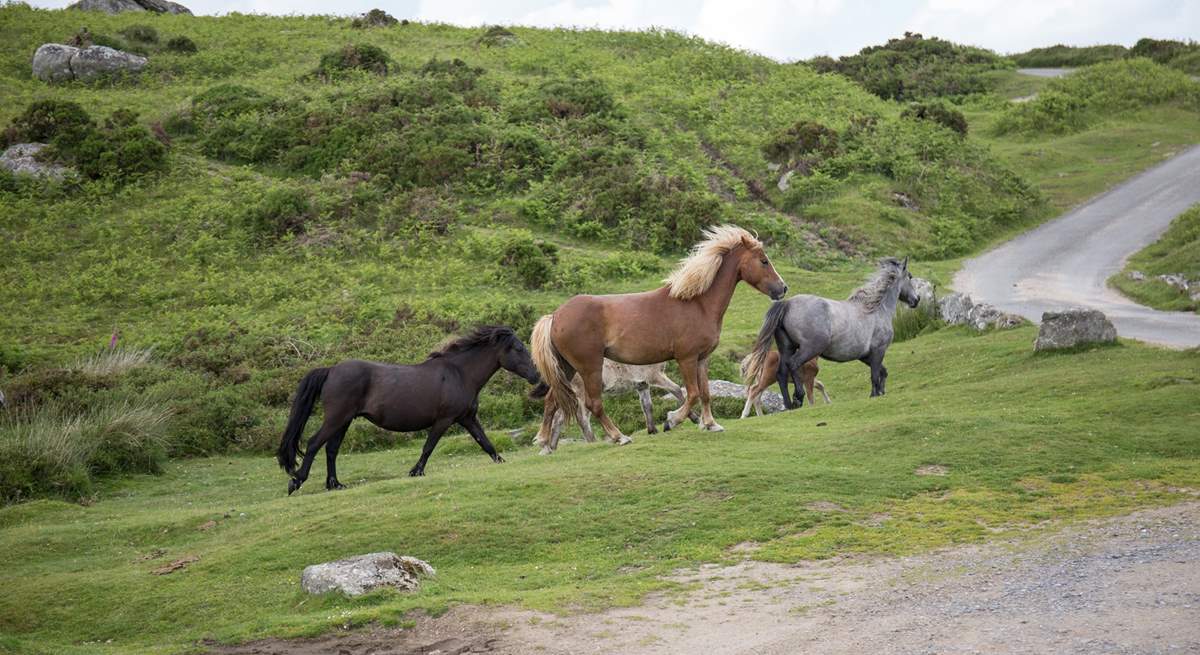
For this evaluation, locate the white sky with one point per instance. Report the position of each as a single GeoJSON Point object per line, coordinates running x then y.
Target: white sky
{"type": "Point", "coordinates": [791, 29]}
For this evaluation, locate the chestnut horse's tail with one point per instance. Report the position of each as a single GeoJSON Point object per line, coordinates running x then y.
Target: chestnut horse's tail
{"type": "Point", "coordinates": [306, 397]}
{"type": "Point", "coordinates": [550, 366]}
{"type": "Point", "coordinates": [753, 364]}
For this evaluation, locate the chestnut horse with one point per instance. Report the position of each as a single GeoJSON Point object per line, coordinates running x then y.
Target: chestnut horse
{"type": "Point", "coordinates": [680, 321]}
{"type": "Point", "coordinates": [770, 370]}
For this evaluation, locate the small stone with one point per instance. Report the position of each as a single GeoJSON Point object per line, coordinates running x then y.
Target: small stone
{"type": "Point", "coordinates": [1136, 276]}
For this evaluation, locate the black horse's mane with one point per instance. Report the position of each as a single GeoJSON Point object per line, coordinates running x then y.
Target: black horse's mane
{"type": "Point", "coordinates": [481, 337]}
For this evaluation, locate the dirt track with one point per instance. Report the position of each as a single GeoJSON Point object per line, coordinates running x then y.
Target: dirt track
{"type": "Point", "coordinates": [1126, 585]}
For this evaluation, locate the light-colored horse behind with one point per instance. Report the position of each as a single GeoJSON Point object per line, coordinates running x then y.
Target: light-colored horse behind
{"type": "Point", "coordinates": [767, 376]}
{"type": "Point", "coordinates": [859, 327]}
{"type": "Point", "coordinates": [618, 378]}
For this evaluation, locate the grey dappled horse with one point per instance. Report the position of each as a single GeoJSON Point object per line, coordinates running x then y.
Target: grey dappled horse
{"type": "Point", "coordinates": [859, 327]}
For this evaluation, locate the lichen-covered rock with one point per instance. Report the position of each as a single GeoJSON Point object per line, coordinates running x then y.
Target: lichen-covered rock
{"type": "Point", "coordinates": [924, 289]}
{"type": "Point", "coordinates": [1136, 276]}
{"type": "Point", "coordinates": [52, 62]}
{"type": "Point", "coordinates": [1176, 280]}
{"type": "Point", "coordinates": [1074, 327]}
{"type": "Point", "coordinates": [120, 6]}
{"type": "Point", "coordinates": [1009, 321]}
{"type": "Point", "coordinates": [772, 401]}
{"type": "Point", "coordinates": [785, 181]}
{"type": "Point", "coordinates": [955, 308]}
{"type": "Point", "coordinates": [355, 576]}
{"type": "Point", "coordinates": [21, 159]}
{"type": "Point", "coordinates": [983, 316]}
{"type": "Point", "coordinates": [101, 61]}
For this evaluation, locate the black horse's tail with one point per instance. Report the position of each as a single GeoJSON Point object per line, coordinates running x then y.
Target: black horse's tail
{"type": "Point", "coordinates": [306, 397]}
{"type": "Point", "coordinates": [753, 364]}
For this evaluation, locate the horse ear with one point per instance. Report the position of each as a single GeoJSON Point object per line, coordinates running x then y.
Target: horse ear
{"type": "Point", "coordinates": [904, 266]}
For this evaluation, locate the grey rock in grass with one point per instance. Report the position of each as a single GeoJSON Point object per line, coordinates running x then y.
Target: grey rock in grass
{"type": "Point", "coordinates": [772, 401]}
{"type": "Point", "coordinates": [121, 6]}
{"type": "Point", "coordinates": [1074, 327]}
{"type": "Point", "coordinates": [983, 316]}
{"type": "Point", "coordinates": [21, 159]}
{"type": "Point", "coordinates": [955, 308]}
{"type": "Point", "coordinates": [52, 62]}
{"type": "Point", "coordinates": [1176, 280]}
{"type": "Point", "coordinates": [785, 181]}
{"type": "Point", "coordinates": [925, 291]}
{"type": "Point", "coordinates": [1009, 321]}
{"type": "Point", "coordinates": [1136, 276]}
{"type": "Point", "coordinates": [355, 576]}
{"type": "Point", "coordinates": [101, 61]}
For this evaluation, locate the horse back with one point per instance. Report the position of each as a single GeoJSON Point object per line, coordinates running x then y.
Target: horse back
{"type": "Point", "coordinates": [397, 397]}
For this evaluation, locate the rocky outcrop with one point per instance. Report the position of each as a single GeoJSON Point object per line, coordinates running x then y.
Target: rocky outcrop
{"type": "Point", "coordinates": [954, 308]}
{"type": "Point", "coordinates": [120, 6]}
{"type": "Point", "coordinates": [21, 159]}
{"type": "Point", "coordinates": [1074, 327]}
{"type": "Point", "coordinates": [924, 289]}
{"type": "Point", "coordinates": [1176, 280]}
{"type": "Point", "coordinates": [54, 62]}
{"type": "Point", "coordinates": [959, 309]}
{"type": "Point", "coordinates": [355, 576]}
{"type": "Point", "coordinates": [772, 401]}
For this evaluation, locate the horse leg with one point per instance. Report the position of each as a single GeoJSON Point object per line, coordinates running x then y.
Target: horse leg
{"type": "Point", "coordinates": [882, 377]}
{"type": "Point", "coordinates": [876, 364]}
{"type": "Point", "coordinates": [821, 388]}
{"type": "Point", "coordinates": [787, 348]}
{"type": "Point", "coordinates": [707, 422]}
{"type": "Point", "coordinates": [754, 396]}
{"type": "Point", "coordinates": [331, 453]}
{"type": "Point", "coordinates": [585, 420]}
{"type": "Point", "coordinates": [750, 398]}
{"type": "Point", "coordinates": [663, 382]}
{"type": "Point", "coordinates": [643, 390]}
{"type": "Point", "coordinates": [471, 423]}
{"type": "Point", "coordinates": [551, 427]}
{"type": "Point", "coordinates": [435, 434]}
{"type": "Point", "coordinates": [593, 387]}
{"type": "Point", "coordinates": [335, 424]}
{"type": "Point", "coordinates": [687, 369]}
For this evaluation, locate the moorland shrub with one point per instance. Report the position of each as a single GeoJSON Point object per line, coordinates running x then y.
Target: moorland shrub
{"type": "Point", "coordinates": [530, 261]}
{"type": "Point", "coordinates": [566, 99]}
{"type": "Point", "coordinates": [281, 211]}
{"type": "Point", "coordinates": [140, 34]}
{"type": "Point", "coordinates": [374, 18]}
{"type": "Point", "coordinates": [915, 67]}
{"type": "Point", "coordinates": [353, 57]}
{"type": "Point", "coordinates": [119, 149]}
{"type": "Point", "coordinates": [1072, 103]}
{"type": "Point", "coordinates": [1162, 51]}
{"type": "Point", "coordinates": [181, 45]}
{"type": "Point", "coordinates": [939, 113]}
{"type": "Point", "coordinates": [1065, 56]}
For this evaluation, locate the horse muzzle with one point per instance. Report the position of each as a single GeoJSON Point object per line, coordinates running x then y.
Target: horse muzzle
{"type": "Point", "coordinates": [777, 292]}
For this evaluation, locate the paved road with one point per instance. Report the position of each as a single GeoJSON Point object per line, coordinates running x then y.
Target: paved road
{"type": "Point", "coordinates": [1067, 261]}
{"type": "Point", "coordinates": [1045, 72]}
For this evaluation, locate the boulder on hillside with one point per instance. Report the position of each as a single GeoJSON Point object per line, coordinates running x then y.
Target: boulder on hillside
{"type": "Point", "coordinates": [355, 576]}
{"type": "Point", "coordinates": [120, 6]}
{"type": "Point", "coordinates": [924, 289]}
{"type": "Point", "coordinates": [1074, 327]}
{"type": "Point", "coordinates": [21, 159]}
{"type": "Point", "coordinates": [1177, 280]}
{"type": "Point", "coordinates": [982, 316]}
{"type": "Point", "coordinates": [955, 308]}
{"type": "Point", "coordinates": [54, 62]}
{"type": "Point", "coordinates": [772, 401]}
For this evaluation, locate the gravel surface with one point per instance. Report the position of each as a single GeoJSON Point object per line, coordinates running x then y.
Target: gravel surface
{"type": "Point", "coordinates": [1124, 585]}
{"type": "Point", "coordinates": [1067, 262]}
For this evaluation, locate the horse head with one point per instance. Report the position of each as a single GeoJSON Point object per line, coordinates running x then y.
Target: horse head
{"type": "Point", "coordinates": [907, 294]}
{"type": "Point", "coordinates": [755, 268]}
{"type": "Point", "coordinates": [514, 357]}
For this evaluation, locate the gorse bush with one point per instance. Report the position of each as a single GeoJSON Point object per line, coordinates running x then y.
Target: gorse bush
{"type": "Point", "coordinates": [915, 67]}
{"type": "Point", "coordinates": [352, 57]}
{"type": "Point", "coordinates": [530, 261]}
{"type": "Point", "coordinates": [937, 112]}
{"type": "Point", "coordinates": [1074, 102]}
{"type": "Point", "coordinates": [119, 149]}
{"type": "Point", "coordinates": [181, 45]}
{"type": "Point", "coordinates": [1064, 56]}
{"type": "Point", "coordinates": [140, 34]}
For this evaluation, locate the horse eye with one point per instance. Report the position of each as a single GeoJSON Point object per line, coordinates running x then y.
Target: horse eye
{"type": "Point", "coordinates": [765, 262]}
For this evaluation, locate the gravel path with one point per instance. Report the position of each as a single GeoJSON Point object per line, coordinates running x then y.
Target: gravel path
{"type": "Point", "coordinates": [1046, 72]}
{"type": "Point", "coordinates": [1125, 585]}
{"type": "Point", "coordinates": [1067, 262]}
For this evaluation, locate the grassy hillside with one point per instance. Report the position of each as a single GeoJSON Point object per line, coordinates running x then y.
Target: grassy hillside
{"type": "Point", "coordinates": [1065, 56]}
{"type": "Point", "coordinates": [1177, 252]}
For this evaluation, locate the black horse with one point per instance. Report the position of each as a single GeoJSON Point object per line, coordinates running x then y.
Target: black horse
{"type": "Point", "coordinates": [441, 391]}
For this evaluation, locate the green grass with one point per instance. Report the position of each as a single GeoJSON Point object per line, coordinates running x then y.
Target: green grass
{"type": "Point", "coordinates": [1176, 252]}
{"type": "Point", "coordinates": [1010, 84]}
{"type": "Point", "coordinates": [1026, 439]}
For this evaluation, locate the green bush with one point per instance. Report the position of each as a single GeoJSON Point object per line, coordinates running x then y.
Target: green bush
{"type": "Point", "coordinates": [228, 101]}
{"type": "Point", "coordinates": [119, 150]}
{"type": "Point", "coordinates": [914, 67]}
{"type": "Point", "coordinates": [939, 113]}
{"type": "Point", "coordinates": [181, 45]}
{"type": "Point", "coordinates": [1162, 51]}
{"type": "Point", "coordinates": [567, 98]}
{"type": "Point", "coordinates": [805, 141]}
{"type": "Point", "coordinates": [351, 57]}
{"type": "Point", "coordinates": [531, 262]}
{"type": "Point", "coordinates": [282, 210]}
{"type": "Point", "coordinates": [1072, 103]}
{"type": "Point", "coordinates": [1065, 56]}
{"type": "Point", "coordinates": [374, 18]}
{"type": "Point", "coordinates": [45, 120]}
{"type": "Point", "coordinates": [140, 34]}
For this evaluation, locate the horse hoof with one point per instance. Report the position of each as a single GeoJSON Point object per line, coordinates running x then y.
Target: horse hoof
{"type": "Point", "coordinates": [667, 425]}
{"type": "Point", "coordinates": [624, 440]}
{"type": "Point", "coordinates": [293, 485]}
{"type": "Point", "coordinates": [713, 427]}
{"type": "Point", "coordinates": [416, 474]}
{"type": "Point", "coordinates": [545, 451]}
{"type": "Point", "coordinates": [651, 430]}
{"type": "Point", "coordinates": [334, 486]}
{"type": "Point", "coordinates": [498, 460]}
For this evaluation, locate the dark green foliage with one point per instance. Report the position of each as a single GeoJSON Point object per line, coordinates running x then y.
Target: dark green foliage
{"type": "Point", "coordinates": [1162, 51]}
{"type": "Point", "coordinates": [497, 36]}
{"type": "Point", "coordinates": [374, 18]}
{"type": "Point", "coordinates": [281, 211]}
{"type": "Point", "coordinates": [939, 113]}
{"type": "Point", "coordinates": [804, 141]}
{"type": "Point", "coordinates": [181, 45]}
{"type": "Point", "coordinates": [915, 67]}
{"type": "Point", "coordinates": [569, 98]}
{"type": "Point", "coordinates": [1065, 56]}
{"type": "Point", "coordinates": [120, 149]}
{"type": "Point", "coordinates": [352, 57]}
{"type": "Point", "coordinates": [531, 262]}
{"type": "Point", "coordinates": [140, 34]}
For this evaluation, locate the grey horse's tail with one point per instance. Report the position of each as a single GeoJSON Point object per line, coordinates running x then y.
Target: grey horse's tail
{"type": "Point", "coordinates": [306, 396]}
{"type": "Point", "coordinates": [753, 364]}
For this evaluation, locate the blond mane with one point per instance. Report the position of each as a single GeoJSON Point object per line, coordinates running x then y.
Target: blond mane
{"type": "Point", "coordinates": [695, 273]}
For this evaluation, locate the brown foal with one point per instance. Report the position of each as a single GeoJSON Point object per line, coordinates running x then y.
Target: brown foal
{"type": "Point", "coordinates": [767, 376]}
{"type": "Point", "coordinates": [680, 321]}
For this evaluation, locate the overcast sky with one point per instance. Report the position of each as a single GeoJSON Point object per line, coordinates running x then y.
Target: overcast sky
{"type": "Point", "coordinates": [792, 29]}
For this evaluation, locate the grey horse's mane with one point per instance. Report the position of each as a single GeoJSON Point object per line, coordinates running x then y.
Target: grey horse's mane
{"type": "Point", "coordinates": [871, 294]}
